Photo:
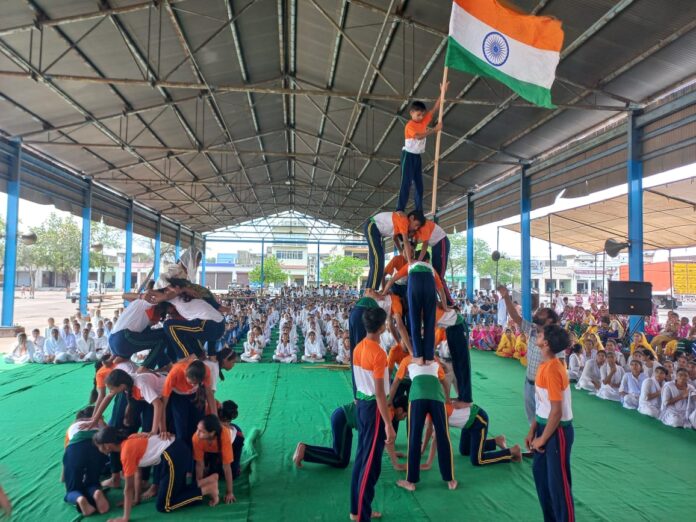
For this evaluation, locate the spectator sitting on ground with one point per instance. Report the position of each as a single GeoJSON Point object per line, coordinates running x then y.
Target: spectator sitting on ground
{"type": "Point", "coordinates": [23, 351]}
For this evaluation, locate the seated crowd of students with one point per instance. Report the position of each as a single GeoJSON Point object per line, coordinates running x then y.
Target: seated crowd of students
{"type": "Point", "coordinates": [653, 373]}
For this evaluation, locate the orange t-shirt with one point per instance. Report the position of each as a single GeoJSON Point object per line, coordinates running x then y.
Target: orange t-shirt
{"type": "Point", "coordinates": [396, 355]}
{"type": "Point", "coordinates": [394, 265]}
{"type": "Point", "coordinates": [176, 380]}
{"type": "Point", "coordinates": [369, 364]}
{"type": "Point", "coordinates": [132, 451]}
{"type": "Point", "coordinates": [412, 128]}
{"type": "Point", "coordinates": [425, 231]}
{"type": "Point", "coordinates": [201, 446]}
{"type": "Point", "coordinates": [102, 374]}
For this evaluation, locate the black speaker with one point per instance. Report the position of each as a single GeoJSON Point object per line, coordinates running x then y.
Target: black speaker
{"type": "Point", "coordinates": [630, 298]}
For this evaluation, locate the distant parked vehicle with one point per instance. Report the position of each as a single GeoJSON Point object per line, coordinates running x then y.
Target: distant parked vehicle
{"type": "Point", "coordinates": [94, 293]}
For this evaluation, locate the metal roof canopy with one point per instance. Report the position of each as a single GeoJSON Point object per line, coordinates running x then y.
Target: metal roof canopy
{"type": "Point", "coordinates": [288, 226]}
{"type": "Point", "coordinates": [669, 220]}
{"type": "Point", "coordinates": [204, 110]}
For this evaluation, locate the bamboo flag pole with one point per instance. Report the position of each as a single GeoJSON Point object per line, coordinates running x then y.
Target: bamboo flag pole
{"type": "Point", "coordinates": [436, 163]}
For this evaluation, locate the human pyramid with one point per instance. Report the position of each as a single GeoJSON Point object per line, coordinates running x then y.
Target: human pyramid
{"type": "Point", "coordinates": [416, 306]}
{"type": "Point", "coordinates": [170, 438]}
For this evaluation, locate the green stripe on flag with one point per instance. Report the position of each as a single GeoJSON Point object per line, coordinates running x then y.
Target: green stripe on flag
{"type": "Point", "coordinates": [461, 59]}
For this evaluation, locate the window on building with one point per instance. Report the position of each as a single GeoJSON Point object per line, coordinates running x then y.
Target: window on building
{"type": "Point", "coordinates": [288, 254]}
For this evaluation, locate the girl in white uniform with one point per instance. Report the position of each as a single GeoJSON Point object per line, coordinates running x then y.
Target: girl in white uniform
{"type": "Point", "coordinates": [575, 363]}
{"type": "Point", "coordinates": [284, 351]}
{"type": "Point", "coordinates": [343, 356]}
{"type": "Point", "coordinates": [650, 402]}
{"type": "Point", "coordinates": [631, 386]}
{"type": "Point", "coordinates": [23, 352]}
{"type": "Point", "coordinates": [252, 349]}
{"type": "Point", "coordinates": [611, 375]}
{"type": "Point", "coordinates": [313, 351]}
{"type": "Point", "coordinates": [675, 400]}
{"type": "Point", "coordinates": [591, 378]}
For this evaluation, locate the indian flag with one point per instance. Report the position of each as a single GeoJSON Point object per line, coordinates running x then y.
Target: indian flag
{"type": "Point", "coordinates": [519, 50]}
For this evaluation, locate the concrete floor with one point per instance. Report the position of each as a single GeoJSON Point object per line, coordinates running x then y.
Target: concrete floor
{"type": "Point", "coordinates": [33, 313]}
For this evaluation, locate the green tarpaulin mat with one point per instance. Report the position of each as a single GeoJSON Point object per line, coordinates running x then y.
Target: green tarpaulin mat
{"type": "Point", "coordinates": [624, 466]}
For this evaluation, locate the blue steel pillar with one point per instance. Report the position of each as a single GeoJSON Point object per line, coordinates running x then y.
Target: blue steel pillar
{"type": "Point", "coordinates": [128, 268]}
{"type": "Point", "coordinates": [526, 246]}
{"type": "Point", "coordinates": [318, 265]}
{"type": "Point", "coordinates": [263, 253]}
{"type": "Point", "coordinates": [8, 285]}
{"type": "Point", "coordinates": [203, 265]}
{"type": "Point", "coordinates": [470, 223]}
{"type": "Point", "coordinates": [634, 172]}
{"type": "Point", "coordinates": [177, 243]}
{"type": "Point", "coordinates": [158, 248]}
{"type": "Point", "coordinates": [84, 256]}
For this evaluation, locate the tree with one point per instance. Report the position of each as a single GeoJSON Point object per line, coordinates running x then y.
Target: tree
{"type": "Point", "coordinates": [343, 270]}
{"type": "Point", "coordinates": [509, 270]}
{"type": "Point", "coordinates": [457, 256]}
{"type": "Point", "coordinates": [58, 245]}
{"type": "Point", "coordinates": [272, 272]}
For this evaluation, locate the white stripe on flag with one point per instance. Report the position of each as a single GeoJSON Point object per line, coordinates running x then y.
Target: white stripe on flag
{"type": "Point", "coordinates": [524, 63]}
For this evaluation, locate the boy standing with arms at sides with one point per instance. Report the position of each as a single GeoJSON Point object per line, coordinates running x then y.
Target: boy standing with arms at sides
{"type": "Point", "coordinates": [551, 434]}
{"type": "Point", "coordinates": [371, 377]}
{"type": "Point", "coordinates": [415, 132]}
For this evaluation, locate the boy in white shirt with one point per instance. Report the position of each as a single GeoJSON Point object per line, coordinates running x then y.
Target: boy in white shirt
{"type": "Point", "coordinates": [631, 385]}
{"type": "Point", "coordinates": [101, 343]}
{"type": "Point", "coordinates": [50, 327]}
{"type": "Point", "coordinates": [86, 352]}
{"type": "Point", "coordinates": [37, 339]}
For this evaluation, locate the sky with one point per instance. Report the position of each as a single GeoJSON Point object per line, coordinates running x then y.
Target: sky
{"type": "Point", "coordinates": [32, 214]}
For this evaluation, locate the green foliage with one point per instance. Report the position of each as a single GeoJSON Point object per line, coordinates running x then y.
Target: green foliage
{"type": "Point", "coordinates": [509, 270]}
{"type": "Point", "coordinates": [343, 270]}
{"type": "Point", "coordinates": [57, 246]}
{"type": "Point", "coordinates": [272, 272]}
{"type": "Point", "coordinates": [457, 257]}
{"type": "Point", "coordinates": [107, 236]}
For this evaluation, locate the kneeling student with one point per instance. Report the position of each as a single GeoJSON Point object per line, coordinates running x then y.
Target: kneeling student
{"type": "Point", "coordinates": [82, 465]}
{"type": "Point", "coordinates": [474, 442]}
{"type": "Point", "coordinates": [212, 452]}
{"type": "Point", "coordinates": [343, 422]}
{"type": "Point", "coordinates": [173, 457]}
